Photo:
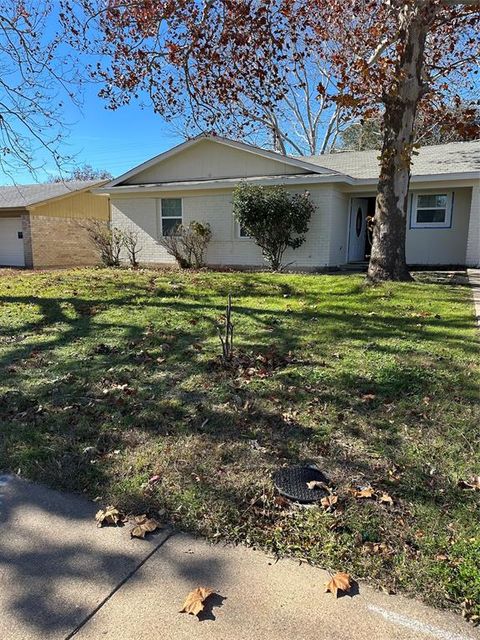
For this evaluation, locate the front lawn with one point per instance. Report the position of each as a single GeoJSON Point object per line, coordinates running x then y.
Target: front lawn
{"type": "Point", "coordinates": [110, 377]}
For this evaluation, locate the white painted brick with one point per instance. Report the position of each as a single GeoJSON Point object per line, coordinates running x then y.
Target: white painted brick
{"type": "Point", "coordinates": [226, 248]}
{"type": "Point", "coordinates": [473, 241]}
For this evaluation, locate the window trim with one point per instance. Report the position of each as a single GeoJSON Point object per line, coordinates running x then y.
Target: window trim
{"type": "Point", "coordinates": [162, 217]}
{"type": "Point", "coordinates": [431, 225]}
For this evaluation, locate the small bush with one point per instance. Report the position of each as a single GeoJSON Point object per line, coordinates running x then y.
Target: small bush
{"type": "Point", "coordinates": [187, 244]}
{"type": "Point", "coordinates": [274, 218]}
{"type": "Point", "coordinates": [130, 242]}
{"type": "Point", "coordinates": [111, 240]}
{"type": "Point", "coordinates": [107, 240]}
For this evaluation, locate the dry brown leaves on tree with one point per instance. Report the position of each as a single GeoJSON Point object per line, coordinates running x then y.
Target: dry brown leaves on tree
{"type": "Point", "coordinates": [195, 601]}
{"type": "Point", "coordinates": [110, 516]}
{"type": "Point", "coordinates": [339, 582]}
{"type": "Point", "coordinates": [143, 525]}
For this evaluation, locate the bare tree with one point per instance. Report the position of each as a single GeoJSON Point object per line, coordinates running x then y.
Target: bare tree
{"type": "Point", "coordinates": [35, 79]}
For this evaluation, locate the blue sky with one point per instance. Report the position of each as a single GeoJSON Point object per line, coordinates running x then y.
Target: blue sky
{"type": "Point", "coordinates": [106, 139]}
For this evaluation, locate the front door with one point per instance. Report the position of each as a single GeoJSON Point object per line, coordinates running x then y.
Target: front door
{"type": "Point", "coordinates": [358, 226]}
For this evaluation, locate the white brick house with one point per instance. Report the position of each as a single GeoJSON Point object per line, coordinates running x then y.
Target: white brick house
{"type": "Point", "coordinates": [194, 181]}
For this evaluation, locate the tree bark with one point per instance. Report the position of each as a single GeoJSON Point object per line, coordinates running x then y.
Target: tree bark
{"type": "Point", "coordinates": [388, 261]}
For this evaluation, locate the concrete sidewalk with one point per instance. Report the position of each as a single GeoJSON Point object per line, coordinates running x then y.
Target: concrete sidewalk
{"type": "Point", "coordinates": [63, 578]}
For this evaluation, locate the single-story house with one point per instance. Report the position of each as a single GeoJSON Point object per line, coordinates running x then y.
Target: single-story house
{"type": "Point", "coordinates": [194, 181]}
{"type": "Point", "coordinates": [43, 225]}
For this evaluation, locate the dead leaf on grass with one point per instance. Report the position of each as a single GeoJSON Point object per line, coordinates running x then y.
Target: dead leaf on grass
{"type": "Point", "coordinates": [329, 501]}
{"type": "Point", "coordinates": [473, 483]}
{"type": "Point", "coordinates": [385, 498]}
{"type": "Point", "coordinates": [110, 516]}
{"type": "Point", "coordinates": [195, 601]}
{"type": "Point", "coordinates": [143, 525]}
{"type": "Point", "coordinates": [281, 502]}
{"type": "Point", "coordinates": [376, 548]}
{"type": "Point", "coordinates": [362, 492]}
{"type": "Point", "coordinates": [467, 612]}
{"type": "Point", "coordinates": [339, 582]}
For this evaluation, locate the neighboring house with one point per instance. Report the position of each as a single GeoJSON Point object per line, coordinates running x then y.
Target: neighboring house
{"type": "Point", "coordinates": [194, 181]}
{"type": "Point", "coordinates": [43, 225]}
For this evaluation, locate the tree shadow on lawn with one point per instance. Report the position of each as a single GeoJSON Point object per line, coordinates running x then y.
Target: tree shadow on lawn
{"type": "Point", "coordinates": [162, 409]}
{"type": "Point", "coordinates": [337, 321]}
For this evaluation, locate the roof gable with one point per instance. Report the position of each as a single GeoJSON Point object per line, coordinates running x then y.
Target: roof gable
{"type": "Point", "coordinates": [207, 157]}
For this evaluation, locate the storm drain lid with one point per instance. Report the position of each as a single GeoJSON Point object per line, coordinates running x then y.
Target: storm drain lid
{"type": "Point", "coordinates": [291, 482]}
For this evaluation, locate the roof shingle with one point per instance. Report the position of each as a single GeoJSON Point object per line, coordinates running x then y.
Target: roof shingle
{"type": "Point", "coordinates": [454, 157]}
{"type": "Point", "coordinates": [24, 195]}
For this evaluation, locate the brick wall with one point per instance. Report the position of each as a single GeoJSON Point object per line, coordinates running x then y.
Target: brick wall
{"type": "Point", "coordinates": [60, 242]}
{"type": "Point", "coordinates": [142, 214]}
{"type": "Point", "coordinates": [27, 240]}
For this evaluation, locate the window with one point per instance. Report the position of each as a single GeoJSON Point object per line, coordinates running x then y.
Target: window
{"type": "Point", "coordinates": [431, 211]}
{"type": "Point", "coordinates": [171, 211]}
{"type": "Point", "coordinates": [242, 233]}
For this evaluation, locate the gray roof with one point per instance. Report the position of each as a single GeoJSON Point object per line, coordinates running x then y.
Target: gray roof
{"type": "Point", "coordinates": [454, 157]}
{"type": "Point", "coordinates": [24, 195]}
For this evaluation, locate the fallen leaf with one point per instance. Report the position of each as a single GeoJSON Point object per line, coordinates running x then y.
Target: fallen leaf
{"type": "Point", "coordinates": [339, 582]}
{"type": "Point", "coordinates": [468, 607]}
{"type": "Point", "coordinates": [195, 601]}
{"type": "Point", "coordinates": [376, 548]}
{"type": "Point", "coordinates": [329, 501]}
{"type": "Point", "coordinates": [362, 492]}
{"type": "Point", "coordinates": [368, 397]}
{"type": "Point", "coordinates": [143, 525]}
{"type": "Point", "coordinates": [316, 484]}
{"type": "Point", "coordinates": [473, 483]}
{"type": "Point", "coordinates": [109, 516]}
{"type": "Point", "coordinates": [282, 502]}
{"type": "Point", "coordinates": [388, 590]}
{"type": "Point", "coordinates": [385, 498]}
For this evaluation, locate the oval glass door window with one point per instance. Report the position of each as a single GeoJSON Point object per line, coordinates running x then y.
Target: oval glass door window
{"type": "Point", "coordinates": [359, 222]}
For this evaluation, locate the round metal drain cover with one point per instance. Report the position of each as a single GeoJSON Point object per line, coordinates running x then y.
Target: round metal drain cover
{"type": "Point", "coordinates": [291, 482]}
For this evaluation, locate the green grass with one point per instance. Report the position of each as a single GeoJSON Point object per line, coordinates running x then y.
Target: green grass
{"type": "Point", "coordinates": [108, 377]}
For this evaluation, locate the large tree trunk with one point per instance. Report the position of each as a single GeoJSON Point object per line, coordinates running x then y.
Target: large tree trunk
{"type": "Point", "coordinates": [388, 260]}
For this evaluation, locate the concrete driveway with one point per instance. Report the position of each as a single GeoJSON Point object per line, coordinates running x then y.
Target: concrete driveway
{"type": "Point", "coordinates": [63, 578]}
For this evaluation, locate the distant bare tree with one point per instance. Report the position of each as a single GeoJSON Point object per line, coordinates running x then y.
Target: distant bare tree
{"type": "Point", "coordinates": [82, 173]}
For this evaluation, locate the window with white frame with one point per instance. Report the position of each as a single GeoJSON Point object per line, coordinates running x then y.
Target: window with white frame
{"type": "Point", "coordinates": [431, 210]}
{"type": "Point", "coordinates": [242, 233]}
{"type": "Point", "coordinates": [171, 215]}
